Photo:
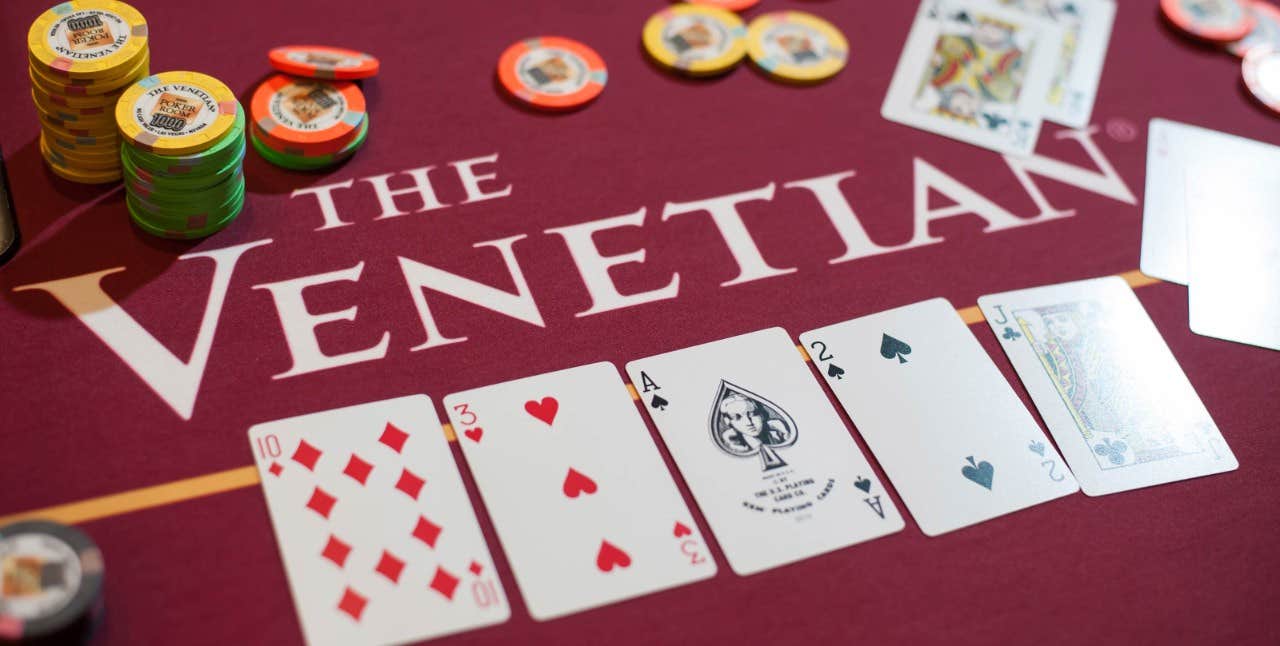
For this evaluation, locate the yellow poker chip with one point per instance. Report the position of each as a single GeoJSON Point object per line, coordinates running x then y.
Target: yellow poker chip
{"type": "Point", "coordinates": [88, 39]}
{"type": "Point", "coordinates": [176, 113]}
{"type": "Point", "coordinates": [695, 39]}
{"type": "Point", "coordinates": [796, 46]}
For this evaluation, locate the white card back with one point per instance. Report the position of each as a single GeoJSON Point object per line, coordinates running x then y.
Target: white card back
{"type": "Point", "coordinates": [1234, 253]}
{"type": "Point", "coordinates": [1171, 146]}
{"type": "Point", "coordinates": [771, 464]}
{"type": "Point", "coordinates": [950, 433]}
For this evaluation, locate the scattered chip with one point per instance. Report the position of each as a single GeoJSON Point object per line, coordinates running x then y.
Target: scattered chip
{"type": "Point", "coordinates": [50, 582]}
{"type": "Point", "coordinates": [1220, 21]}
{"type": "Point", "coordinates": [1266, 29]}
{"type": "Point", "coordinates": [1261, 70]}
{"type": "Point", "coordinates": [307, 117]}
{"type": "Point", "coordinates": [796, 47]}
{"type": "Point", "coordinates": [552, 73]}
{"type": "Point", "coordinates": [695, 39]}
{"type": "Point", "coordinates": [88, 39]}
{"type": "Point", "coordinates": [320, 62]}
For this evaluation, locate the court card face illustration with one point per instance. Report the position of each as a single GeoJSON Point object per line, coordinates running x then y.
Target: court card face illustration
{"type": "Point", "coordinates": [1111, 392]}
{"type": "Point", "coordinates": [976, 72]}
{"type": "Point", "coordinates": [586, 509]}
{"type": "Point", "coordinates": [379, 540]}
{"type": "Point", "coordinates": [768, 459]}
{"type": "Point", "coordinates": [1086, 26]}
{"type": "Point", "coordinates": [951, 434]}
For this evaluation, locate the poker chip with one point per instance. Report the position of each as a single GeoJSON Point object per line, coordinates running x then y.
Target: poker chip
{"type": "Point", "coordinates": [285, 159]}
{"type": "Point", "coordinates": [1219, 21]}
{"type": "Point", "coordinates": [797, 47]}
{"type": "Point", "coordinates": [552, 73]}
{"type": "Point", "coordinates": [81, 57]}
{"type": "Point", "coordinates": [695, 39]}
{"type": "Point", "coordinates": [306, 117]}
{"type": "Point", "coordinates": [88, 39]}
{"type": "Point", "coordinates": [176, 113]}
{"type": "Point", "coordinates": [1261, 71]}
{"type": "Point", "coordinates": [731, 5]}
{"type": "Point", "coordinates": [320, 62]}
{"type": "Point", "coordinates": [50, 582]}
{"type": "Point", "coordinates": [1266, 29]}
{"type": "Point", "coordinates": [182, 158]}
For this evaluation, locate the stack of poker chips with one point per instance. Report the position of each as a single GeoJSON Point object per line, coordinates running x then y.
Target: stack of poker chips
{"type": "Point", "coordinates": [51, 579]}
{"type": "Point", "coordinates": [82, 54]}
{"type": "Point", "coordinates": [311, 116]}
{"type": "Point", "coordinates": [184, 136]}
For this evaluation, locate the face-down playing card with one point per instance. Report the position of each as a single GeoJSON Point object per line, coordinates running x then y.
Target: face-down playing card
{"type": "Point", "coordinates": [584, 506]}
{"type": "Point", "coordinates": [1110, 391]}
{"type": "Point", "coordinates": [770, 462]}
{"type": "Point", "coordinates": [378, 537]}
{"type": "Point", "coordinates": [948, 429]}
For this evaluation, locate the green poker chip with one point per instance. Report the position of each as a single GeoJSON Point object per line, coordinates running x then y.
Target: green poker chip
{"type": "Point", "coordinates": [176, 184]}
{"type": "Point", "coordinates": [295, 162]}
{"type": "Point", "coordinates": [187, 223]}
{"type": "Point", "coordinates": [208, 198]}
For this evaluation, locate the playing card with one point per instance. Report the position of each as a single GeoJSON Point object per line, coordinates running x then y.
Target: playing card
{"type": "Point", "coordinates": [1233, 211]}
{"type": "Point", "coordinates": [1115, 399]}
{"type": "Point", "coordinates": [378, 537]}
{"type": "Point", "coordinates": [950, 433]}
{"type": "Point", "coordinates": [772, 466]}
{"type": "Point", "coordinates": [1086, 26]}
{"type": "Point", "coordinates": [976, 72]}
{"type": "Point", "coordinates": [1165, 215]}
{"type": "Point", "coordinates": [583, 504]}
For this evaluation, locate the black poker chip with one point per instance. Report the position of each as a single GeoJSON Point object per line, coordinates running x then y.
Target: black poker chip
{"type": "Point", "coordinates": [50, 583]}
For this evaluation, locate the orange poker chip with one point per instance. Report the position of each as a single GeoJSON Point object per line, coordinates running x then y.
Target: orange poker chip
{"type": "Point", "coordinates": [1221, 21]}
{"type": "Point", "coordinates": [731, 5]}
{"type": "Point", "coordinates": [321, 62]}
{"type": "Point", "coordinates": [311, 117]}
{"type": "Point", "coordinates": [552, 73]}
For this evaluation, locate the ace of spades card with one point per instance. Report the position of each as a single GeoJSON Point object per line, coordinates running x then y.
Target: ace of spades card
{"type": "Point", "coordinates": [976, 72]}
{"type": "Point", "coordinates": [769, 461]}
{"type": "Point", "coordinates": [378, 537]}
{"type": "Point", "coordinates": [584, 506]}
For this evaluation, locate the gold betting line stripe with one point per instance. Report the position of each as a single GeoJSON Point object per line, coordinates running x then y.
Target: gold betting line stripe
{"type": "Point", "coordinates": [238, 478]}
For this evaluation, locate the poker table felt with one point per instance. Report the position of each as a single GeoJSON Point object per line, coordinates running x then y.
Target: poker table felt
{"type": "Point", "coordinates": [174, 502]}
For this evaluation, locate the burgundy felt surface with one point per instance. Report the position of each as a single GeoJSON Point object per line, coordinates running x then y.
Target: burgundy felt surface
{"type": "Point", "coordinates": [1190, 562]}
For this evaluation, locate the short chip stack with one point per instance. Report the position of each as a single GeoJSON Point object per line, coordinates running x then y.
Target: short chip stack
{"type": "Point", "coordinates": [82, 54]}
{"type": "Point", "coordinates": [183, 154]}
{"type": "Point", "coordinates": [311, 117]}
{"type": "Point", "coordinates": [1249, 29]}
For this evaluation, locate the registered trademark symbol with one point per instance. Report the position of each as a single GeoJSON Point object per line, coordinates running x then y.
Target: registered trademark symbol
{"type": "Point", "coordinates": [1122, 130]}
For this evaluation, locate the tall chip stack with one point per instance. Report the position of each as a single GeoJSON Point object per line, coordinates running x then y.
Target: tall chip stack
{"type": "Point", "coordinates": [82, 54]}
{"type": "Point", "coordinates": [183, 154]}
